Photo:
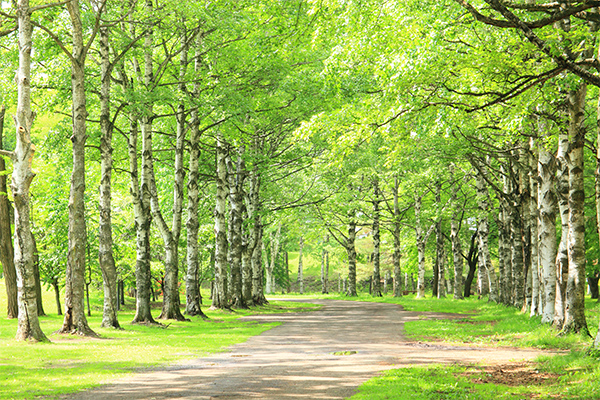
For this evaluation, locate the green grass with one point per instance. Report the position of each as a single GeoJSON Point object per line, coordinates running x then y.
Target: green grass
{"type": "Point", "coordinates": [444, 383]}
{"type": "Point", "coordinates": [71, 363]}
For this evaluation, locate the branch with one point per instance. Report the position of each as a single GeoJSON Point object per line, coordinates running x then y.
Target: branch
{"type": "Point", "coordinates": [526, 28]}
{"type": "Point", "coordinates": [56, 40]}
{"type": "Point", "coordinates": [514, 22]}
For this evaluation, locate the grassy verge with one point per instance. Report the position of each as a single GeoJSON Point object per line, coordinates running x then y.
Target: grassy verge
{"type": "Point", "coordinates": [71, 363]}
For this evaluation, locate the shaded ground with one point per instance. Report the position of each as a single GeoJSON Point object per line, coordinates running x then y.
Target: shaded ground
{"type": "Point", "coordinates": [325, 354]}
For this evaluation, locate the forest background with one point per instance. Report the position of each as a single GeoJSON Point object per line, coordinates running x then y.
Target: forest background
{"type": "Point", "coordinates": [208, 142]}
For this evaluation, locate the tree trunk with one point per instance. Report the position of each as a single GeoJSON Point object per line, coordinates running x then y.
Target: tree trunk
{"type": "Point", "coordinates": [325, 267]}
{"type": "Point", "coordinates": [75, 320]}
{"type": "Point", "coordinates": [105, 240]}
{"type": "Point", "coordinates": [143, 220]}
{"type": "Point", "coordinates": [192, 287]}
{"type": "Point", "coordinates": [300, 267]}
{"type": "Point", "coordinates": [246, 256]}
{"type": "Point", "coordinates": [396, 233]}
{"type": "Point", "coordinates": [472, 260]}
{"type": "Point", "coordinates": [457, 257]}
{"type": "Point", "coordinates": [533, 227]}
{"type": "Point", "coordinates": [351, 250]}
{"type": "Point", "coordinates": [287, 271]}
{"type": "Point", "coordinates": [258, 297]}
{"type": "Point", "coordinates": [170, 235]}
{"type": "Point", "coordinates": [547, 231]}
{"type": "Point", "coordinates": [6, 245]}
{"type": "Point", "coordinates": [220, 299]}
{"type": "Point", "coordinates": [57, 296]}
{"type": "Point", "coordinates": [575, 296]}
{"type": "Point", "coordinates": [420, 249]}
{"type": "Point", "coordinates": [275, 239]}
{"type": "Point", "coordinates": [562, 256]}
{"type": "Point", "coordinates": [440, 262]}
{"type": "Point", "coordinates": [517, 239]}
{"type": "Point", "coordinates": [376, 243]}
{"type": "Point", "coordinates": [593, 285]}
{"type": "Point", "coordinates": [36, 274]}
{"type": "Point", "coordinates": [236, 182]}
{"type": "Point", "coordinates": [483, 230]}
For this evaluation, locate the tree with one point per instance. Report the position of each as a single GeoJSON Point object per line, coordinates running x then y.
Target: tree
{"type": "Point", "coordinates": [22, 156]}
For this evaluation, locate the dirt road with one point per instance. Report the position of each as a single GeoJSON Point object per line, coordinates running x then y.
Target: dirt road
{"type": "Point", "coordinates": [325, 354]}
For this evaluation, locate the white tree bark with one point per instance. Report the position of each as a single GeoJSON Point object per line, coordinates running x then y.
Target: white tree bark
{"type": "Point", "coordinates": [105, 239]}
{"type": "Point", "coordinates": [220, 299]}
{"type": "Point", "coordinates": [420, 249]}
{"type": "Point", "coordinates": [300, 266]}
{"type": "Point", "coordinates": [562, 256]}
{"type": "Point", "coordinates": [536, 307]}
{"type": "Point", "coordinates": [396, 233]}
{"type": "Point", "coordinates": [75, 320]}
{"type": "Point", "coordinates": [483, 231]}
{"type": "Point", "coordinates": [275, 242]}
{"type": "Point", "coordinates": [376, 242]}
{"type": "Point", "coordinates": [575, 320]}
{"type": "Point", "coordinates": [192, 289]}
{"type": "Point", "coordinates": [547, 231]}
{"type": "Point", "coordinates": [28, 327]}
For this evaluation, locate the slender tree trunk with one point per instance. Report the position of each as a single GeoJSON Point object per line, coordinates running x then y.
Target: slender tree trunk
{"type": "Point", "coordinates": [143, 220]}
{"type": "Point", "coordinates": [325, 267]}
{"type": "Point", "coordinates": [457, 257]}
{"type": "Point", "coordinates": [275, 239]}
{"type": "Point", "coordinates": [517, 236]}
{"type": "Point", "coordinates": [483, 230]}
{"type": "Point", "coordinates": [536, 307]}
{"type": "Point", "coordinates": [301, 267]}
{"type": "Point", "coordinates": [246, 256]}
{"type": "Point", "coordinates": [376, 243]}
{"type": "Point", "coordinates": [75, 320]}
{"type": "Point", "coordinates": [36, 275]}
{"type": "Point", "coordinates": [420, 249]}
{"type": "Point", "coordinates": [57, 297]}
{"type": "Point", "coordinates": [562, 256]}
{"type": "Point", "coordinates": [575, 296]}
{"type": "Point", "coordinates": [105, 240]}
{"type": "Point", "coordinates": [473, 261]}
{"type": "Point", "coordinates": [525, 198]}
{"type": "Point", "coordinates": [220, 299]}
{"type": "Point", "coordinates": [287, 271]}
{"type": "Point", "coordinates": [258, 296]}
{"type": "Point", "coordinates": [192, 287]}
{"type": "Point", "coordinates": [547, 231]}
{"type": "Point", "coordinates": [236, 183]}
{"type": "Point", "coordinates": [6, 245]}
{"type": "Point", "coordinates": [396, 233]}
{"type": "Point", "coordinates": [440, 262]}
{"type": "Point", "coordinates": [351, 250]}
{"type": "Point", "coordinates": [170, 235]}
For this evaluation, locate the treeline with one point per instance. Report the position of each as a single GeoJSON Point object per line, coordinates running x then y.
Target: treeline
{"type": "Point", "coordinates": [157, 92]}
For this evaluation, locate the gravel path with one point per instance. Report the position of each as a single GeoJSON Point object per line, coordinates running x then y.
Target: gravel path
{"type": "Point", "coordinates": [302, 359]}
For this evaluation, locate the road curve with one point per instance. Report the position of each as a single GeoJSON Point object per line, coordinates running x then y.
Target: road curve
{"type": "Point", "coordinates": [324, 354]}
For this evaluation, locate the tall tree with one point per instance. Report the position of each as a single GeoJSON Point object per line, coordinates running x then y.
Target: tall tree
{"type": "Point", "coordinates": [105, 238]}
{"type": "Point", "coordinates": [75, 320]}
{"type": "Point", "coordinates": [28, 327]}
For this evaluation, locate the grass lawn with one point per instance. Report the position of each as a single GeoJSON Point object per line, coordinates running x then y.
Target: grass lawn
{"type": "Point", "coordinates": [71, 363]}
